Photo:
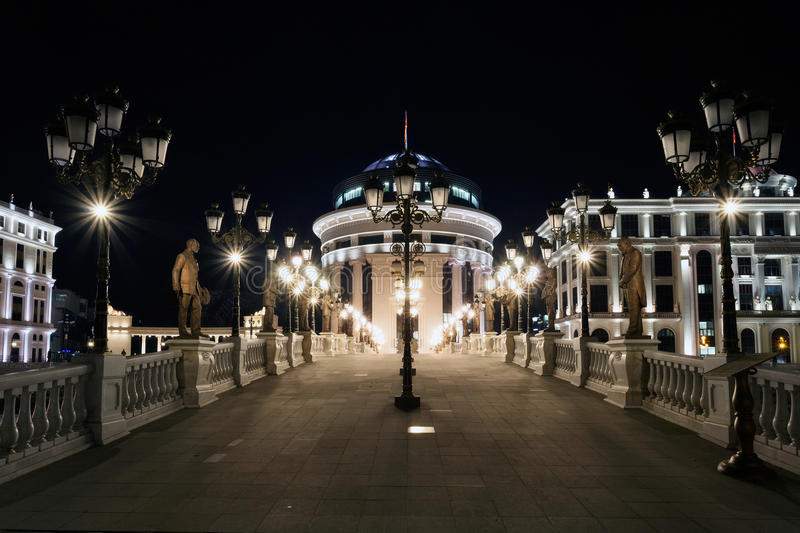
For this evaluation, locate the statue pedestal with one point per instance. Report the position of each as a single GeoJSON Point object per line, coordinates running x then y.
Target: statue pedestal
{"type": "Point", "coordinates": [306, 346]}
{"type": "Point", "coordinates": [104, 396]}
{"type": "Point", "coordinates": [626, 370]}
{"type": "Point", "coordinates": [488, 342]}
{"type": "Point", "coordinates": [510, 335]}
{"type": "Point", "coordinates": [272, 340]}
{"type": "Point", "coordinates": [194, 371]}
{"type": "Point", "coordinates": [328, 342]}
{"type": "Point", "coordinates": [546, 357]}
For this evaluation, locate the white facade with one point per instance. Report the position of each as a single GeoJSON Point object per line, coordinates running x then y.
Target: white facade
{"type": "Point", "coordinates": [679, 241]}
{"type": "Point", "coordinates": [27, 241]}
{"type": "Point", "coordinates": [462, 241]}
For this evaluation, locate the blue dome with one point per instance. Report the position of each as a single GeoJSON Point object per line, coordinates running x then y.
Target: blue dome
{"type": "Point", "coordinates": [389, 162]}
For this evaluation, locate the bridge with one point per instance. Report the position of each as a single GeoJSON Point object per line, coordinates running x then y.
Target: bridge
{"type": "Point", "coordinates": [299, 433]}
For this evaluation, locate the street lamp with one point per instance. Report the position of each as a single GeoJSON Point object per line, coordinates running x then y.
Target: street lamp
{"type": "Point", "coordinates": [528, 239]}
{"type": "Point", "coordinates": [236, 240]}
{"type": "Point", "coordinates": [119, 167]}
{"type": "Point", "coordinates": [407, 214]}
{"type": "Point", "coordinates": [582, 236]}
{"type": "Point", "coordinates": [713, 168]}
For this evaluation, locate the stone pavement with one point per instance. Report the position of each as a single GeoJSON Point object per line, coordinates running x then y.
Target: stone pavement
{"type": "Point", "coordinates": [322, 448]}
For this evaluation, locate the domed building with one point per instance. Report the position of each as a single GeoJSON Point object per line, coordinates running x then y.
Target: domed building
{"type": "Point", "coordinates": [357, 258]}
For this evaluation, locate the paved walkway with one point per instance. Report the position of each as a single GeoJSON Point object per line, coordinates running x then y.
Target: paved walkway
{"type": "Point", "coordinates": [321, 448]}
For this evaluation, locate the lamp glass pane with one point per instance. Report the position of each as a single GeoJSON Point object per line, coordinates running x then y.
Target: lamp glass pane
{"type": "Point", "coordinates": [753, 127]}
{"type": "Point", "coordinates": [676, 145]}
{"type": "Point", "coordinates": [719, 114]}
{"type": "Point", "coordinates": [81, 131]}
{"type": "Point", "coordinates": [59, 152]}
{"type": "Point", "coordinates": [769, 151]}
{"type": "Point", "coordinates": [110, 119]}
{"type": "Point", "coordinates": [154, 151]}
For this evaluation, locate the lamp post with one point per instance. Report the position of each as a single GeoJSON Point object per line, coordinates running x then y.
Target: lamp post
{"type": "Point", "coordinates": [713, 167]}
{"type": "Point", "coordinates": [583, 237]}
{"type": "Point", "coordinates": [236, 240]}
{"type": "Point", "coordinates": [528, 239]}
{"type": "Point", "coordinates": [407, 214]}
{"type": "Point", "coordinates": [513, 279]}
{"type": "Point", "coordinates": [115, 170]}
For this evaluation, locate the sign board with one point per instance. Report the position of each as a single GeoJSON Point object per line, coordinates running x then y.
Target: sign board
{"type": "Point", "coordinates": [742, 363]}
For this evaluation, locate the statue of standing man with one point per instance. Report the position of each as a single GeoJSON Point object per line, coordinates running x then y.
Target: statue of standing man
{"type": "Point", "coordinates": [187, 287]}
{"type": "Point", "coordinates": [549, 294]}
{"type": "Point", "coordinates": [632, 281]}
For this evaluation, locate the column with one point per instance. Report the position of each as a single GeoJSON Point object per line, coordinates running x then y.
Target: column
{"type": "Point", "coordinates": [158, 343]}
{"type": "Point", "coordinates": [49, 306]}
{"type": "Point", "coordinates": [758, 218]}
{"type": "Point", "coordinates": [763, 338]}
{"type": "Point", "coordinates": [682, 230]}
{"type": "Point", "coordinates": [358, 296]}
{"type": "Point", "coordinates": [686, 298]}
{"type": "Point", "coordinates": [788, 268]}
{"type": "Point", "coordinates": [457, 270]}
{"type": "Point", "coordinates": [758, 282]}
{"type": "Point", "coordinates": [648, 279]}
{"type": "Point", "coordinates": [27, 310]}
{"type": "Point", "coordinates": [142, 339]}
{"type": "Point", "coordinates": [25, 349]}
{"type": "Point", "coordinates": [7, 308]}
{"type": "Point", "coordinates": [645, 222]}
{"type": "Point", "coordinates": [616, 303]}
{"type": "Point", "coordinates": [791, 223]}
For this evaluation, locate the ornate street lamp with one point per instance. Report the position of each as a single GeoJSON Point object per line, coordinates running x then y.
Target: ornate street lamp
{"type": "Point", "coordinates": [407, 214]}
{"type": "Point", "coordinates": [528, 239]}
{"type": "Point", "coordinates": [582, 236]}
{"type": "Point", "coordinates": [711, 167]}
{"type": "Point", "coordinates": [236, 240]}
{"type": "Point", "coordinates": [114, 171]}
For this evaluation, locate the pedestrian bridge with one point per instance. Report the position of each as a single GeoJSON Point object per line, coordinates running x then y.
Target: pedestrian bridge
{"type": "Point", "coordinates": [200, 438]}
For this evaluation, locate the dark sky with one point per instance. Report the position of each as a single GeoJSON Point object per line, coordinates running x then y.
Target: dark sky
{"type": "Point", "coordinates": [291, 101]}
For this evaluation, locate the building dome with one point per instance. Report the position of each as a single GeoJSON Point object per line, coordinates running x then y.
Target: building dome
{"type": "Point", "coordinates": [463, 191]}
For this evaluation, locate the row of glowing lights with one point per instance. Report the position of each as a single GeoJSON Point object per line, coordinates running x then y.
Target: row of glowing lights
{"type": "Point", "coordinates": [360, 322]}
{"type": "Point", "coordinates": [503, 275]}
{"type": "Point", "coordinates": [439, 331]}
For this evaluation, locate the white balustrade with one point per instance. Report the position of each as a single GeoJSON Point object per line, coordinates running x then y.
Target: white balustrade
{"type": "Point", "coordinates": [566, 360]}
{"type": "Point", "coordinates": [222, 368]}
{"type": "Point", "coordinates": [674, 388]}
{"type": "Point", "coordinates": [600, 377]}
{"type": "Point", "coordinates": [776, 411]}
{"type": "Point", "coordinates": [255, 361]}
{"type": "Point", "coordinates": [150, 387]}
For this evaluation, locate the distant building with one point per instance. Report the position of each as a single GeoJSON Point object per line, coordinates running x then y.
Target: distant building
{"type": "Point", "coordinates": [70, 320]}
{"type": "Point", "coordinates": [679, 241]}
{"type": "Point", "coordinates": [27, 247]}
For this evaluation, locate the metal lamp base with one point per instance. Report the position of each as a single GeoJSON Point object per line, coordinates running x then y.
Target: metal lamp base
{"type": "Point", "coordinates": [743, 467]}
{"type": "Point", "coordinates": [406, 403]}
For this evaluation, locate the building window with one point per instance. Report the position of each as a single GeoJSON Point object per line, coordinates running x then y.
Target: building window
{"type": "Point", "coordinates": [664, 299]}
{"type": "Point", "coordinates": [662, 260]}
{"type": "Point", "coordinates": [598, 298]}
{"type": "Point", "coordinates": [342, 244]}
{"type": "Point", "coordinates": [600, 334]}
{"type": "Point", "coordinates": [772, 267]}
{"type": "Point", "coordinates": [20, 256]}
{"type": "Point", "coordinates": [398, 237]}
{"type": "Point", "coordinates": [370, 239]}
{"type": "Point", "coordinates": [574, 299]}
{"type": "Point", "coordinates": [598, 265]}
{"type": "Point", "coordinates": [745, 297]}
{"type": "Point", "coordinates": [629, 226]}
{"type": "Point", "coordinates": [38, 260]}
{"type": "Point", "coordinates": [16, 308]}
{"type": "Point", "coordinates": [702, 224]}
{"type": "Point", "coordinates": [2, 221]}
{"type": "Point", "coordinates": [780, 344]}
{"type": "Point", "coordinates": [594, 223]}
{"type": "Point", "coordinates": [366, 291]}
{"type": "Point", "coordinates": [352, 194]}
{"type": "Point", "coordinates": [705, 302]}
{"type": "Point", "coordinates": [773, 223]}
{"type": "Point", "coordinates": [447, 289]}
{"type": "Point", "coordinates": [1, 252]}
{"type": "Point", "coordinates": [564, 303]}
{"type": "Point", "coordinates": [775, 295]}
{"type": "Point", "coordinates": [443, 239]}
{"type": "Point", "coordinates": [666, 340]}
{"type": "Point", "coordinates": [563, 271]}
{"type": "Point", "coordinates": [661, 226]}
{"type": "Point", "coordinates": [44, 262]}
{"type": "Point", "coordinates": [748, 341]}
{"type": "Point", "coordinates": [744, 266]}
{"type": "Point", "coordinates": [742, 225]}
{"type": "Point", "coordinates": [21, 228]}
{"type": "Point", "coordinates": [574, 266]}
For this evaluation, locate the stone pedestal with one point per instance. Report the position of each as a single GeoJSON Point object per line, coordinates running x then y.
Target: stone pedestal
{"type": "Point", "coordinates": [350, 343]}
{"type": "Point", "coordinates": [238, 358]}
{"type": "Point", "coordinates": [487, 342]}
{"type": "Point", "coordinates": [328, 343]}
{"type": "Point", "coordinates": [626, 370]}
{"type": "Point", "coordinates": [271, 339]}
{"type": "Point", "coordinates": [104, 396]}
{"type": "Point", "coordinates": [716, 400]}
{"type": "Point", "coordinates": [306, 345]}
{"type": "Point", "coordinates": [510, 342]}
{"type": "Point", "coordinates": [545, 361]}
{"type": "Point", "coordinates": [195, 370]}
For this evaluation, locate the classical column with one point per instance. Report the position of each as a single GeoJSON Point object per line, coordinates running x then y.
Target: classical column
{"type": "Point", "coordinates": [686, 281]}
{"type": "Point", "coordinates": [142, 338]}
{"type": "Point", "coordinates": [616, 303]}
{"type": "Point", "coordinates": [758, 282]}
{"type": "Point", "coordinates": [648, 279]}
{"type": "Point", "coordinates": [49, 307]}
{"type": "Point", "coordinates": [758, 218]}
{"type": "Point", "coordinates": [27, 311]}
{"type": "Point", "coordinates": [358, 288]}
{"type": "Point", "coordinates": [457, 270]}
{"type": "Point", "coordinates": [158, 343]}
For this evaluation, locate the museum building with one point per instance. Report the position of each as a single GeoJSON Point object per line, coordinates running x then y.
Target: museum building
{"type": "Point", "coordinates": [357, 259]}
{"type": "Point", "coordinates": [679, 241]}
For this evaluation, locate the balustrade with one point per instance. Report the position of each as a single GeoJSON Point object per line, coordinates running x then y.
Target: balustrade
{"type": "Point", "coordinates": [150, 382]}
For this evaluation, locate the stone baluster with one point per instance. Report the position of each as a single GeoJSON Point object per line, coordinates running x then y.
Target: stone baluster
{"type": "Point", "coordinates": [140, 394]}
{"type": "Point", "coordinates": [40, 415]}
{"type": "Point", "coordinates": [173, 379]}
{"type": "Point", "coordinates": [794, 419]}
{"type": "Point", "coordinates": [8, 428]}
{"type": "Point", "coordinates": [767, 409]}
{"type": "Point", "coordinates": [697, 391]}
{"type": "Point", "coordinates": [132, 392]}
{"type": "Point", "coordinates": [154, 382]}
{"type": "Point", "coordinates": [163, 394]}
{"type": "Point", "coordinates": [68, 407]}
{"type": "Point", "coordinates": [125, 397]}
{"type": "Point", "coordinates": [755, 387]}
{"type": "Point", "coordinates": [704, 398]}
{"type": "Point", "coordinates": [651, 377]}
{"type": "Point", "coordinates": [659, 370]}
{"type": "Point", "coordinates": [686, 399]}
{"type": "Point", "coordinates": [677, 398]}
{"type": "Point", "coordinates": [54, 411]}
{"type": "Point", "coordinates": [665, 384]}
{"type": "Point", "coordinates": [781, 418]}
{"type": "Point", "coordinates": [147, 384]}
{"type": "Point", "coordinates": [24, 421]}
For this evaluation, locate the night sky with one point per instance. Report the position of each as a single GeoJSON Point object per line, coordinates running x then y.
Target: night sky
{"type": "Point", "coordinates": [288, 103]}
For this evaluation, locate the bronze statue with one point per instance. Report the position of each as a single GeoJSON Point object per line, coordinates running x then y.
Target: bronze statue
{"type": "Point", "coordinates": [328, 305]}
{"type": "Point", "coordinates": [511, 302]}
{"type": "Point", "coordinates": [488, 309]}
{"type": "Point", "coordinates": [270, 300]}
{"type": "Point", "coordinates": [303, 303]}
{"type": "Point", "coordinates": [631, 280]}
{"type": "Point", "coordinates": [476, 319]}
{"type": "Point", "coordinates": [187, 287]}
{"type": "Point", "coordinates": [549, 293]}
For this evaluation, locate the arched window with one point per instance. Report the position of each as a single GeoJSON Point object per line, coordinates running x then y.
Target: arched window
{"type": "Point", "coordinates": [18, 283]}
{"type": "Point", "coordinates": [705, 301]}
{"type": "Point", "coordinates": [16, 346]}
{"type": "Point", "coordinates": [666, 340]}
{"type": "Point", "coordinates": [748, 341]}
{"type": "Point", "coordinates": [780, 343]}
{"type": "Point", "coordinates": [575, 333]}
{"type": "Point", "coordinates": [601, 334]}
